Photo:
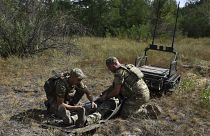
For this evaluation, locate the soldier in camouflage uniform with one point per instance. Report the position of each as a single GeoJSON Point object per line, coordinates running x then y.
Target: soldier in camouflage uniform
{"type": "Point", "coordinates": [128, 84]}
{"type": "Point", "coordinates": [63, 93]}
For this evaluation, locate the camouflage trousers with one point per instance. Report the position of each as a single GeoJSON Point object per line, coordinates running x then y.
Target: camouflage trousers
{"type": "Point", "coordinates": [64, 114]}
{"type": "Point", "coordinates": [140, 95]}
{"type": "Point", "coordinates": [60, 111]}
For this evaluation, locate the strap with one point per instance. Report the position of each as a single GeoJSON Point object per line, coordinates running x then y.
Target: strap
{"type": "Point", "coordinates": [126, 68]}
{"type": "Point", "coordinates": [114, 112]}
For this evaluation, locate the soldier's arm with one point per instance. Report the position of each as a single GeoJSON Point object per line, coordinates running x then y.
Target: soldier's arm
{"type": "Point", "coordinates": [117, 85]}
{"type": "Point", "coordinates": [60, 102]}
{"type": "Point", "coordinates": [114, 92]}
{"type": "Point", "coordinates": [60, 95]}
{"type": "Point", "coordinates": [88, 95]}
{"type": "Point", "coordinates": [84, 88]}
{"type": "Point", "coordinates": [90, 98]}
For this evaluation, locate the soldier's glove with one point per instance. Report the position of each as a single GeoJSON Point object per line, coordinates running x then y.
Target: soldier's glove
{"type": "Point", "coordinates": [93, 105]}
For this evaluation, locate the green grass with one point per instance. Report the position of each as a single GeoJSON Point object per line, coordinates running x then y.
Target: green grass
{"type": "Point", "coordinates": [205, 98]}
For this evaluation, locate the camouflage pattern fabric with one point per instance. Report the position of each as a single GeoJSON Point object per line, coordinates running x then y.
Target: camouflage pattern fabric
{"type": "Point", "coordinates": [135, 95]}
{"type": "Point", "coordinates": [139, 97]}
{"type": "Point", "coordinates": [93, 118]}
{"type": "Point", "coordinates": [62, 89]}
{"type": "Point", "coordinates": [76, 97]}
{"type": "Point", "coordinates": [64, 114]}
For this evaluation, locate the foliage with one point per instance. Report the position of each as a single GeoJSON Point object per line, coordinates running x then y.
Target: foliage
{"type": "Point", "coordinates": [114, 17]}
{"type": "Point", "coordinates": [205, 97]}
{"type": "Point", "coordinates": [166, 10]}
{"type": "Point", "coordinates": [187, 85]}
{"type": "Point", "coordinates": [29, 26]}
{"type": "Point", "coordinates": [195, 19]}
{"type": "Point", "coordinates": [121, 17]}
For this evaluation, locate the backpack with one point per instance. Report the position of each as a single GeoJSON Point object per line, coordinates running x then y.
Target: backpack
{"type": "Point", "coordinates": [49, 85]}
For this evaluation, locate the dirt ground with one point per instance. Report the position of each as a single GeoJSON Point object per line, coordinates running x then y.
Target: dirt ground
{"type": "Point", "coordinates": [22, 111]}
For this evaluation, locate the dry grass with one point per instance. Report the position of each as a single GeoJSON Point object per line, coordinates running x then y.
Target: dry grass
{"type": "Point", "coordinates": [194, 50]}
{"type": "Point", "coordinates": [93, 53]}
{"type": "Point", "coordinates": [98, 49]}
{"type": "Point", "coordinates": [186, 112]}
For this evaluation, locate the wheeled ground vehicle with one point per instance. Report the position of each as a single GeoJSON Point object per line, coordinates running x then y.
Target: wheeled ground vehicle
{"type": "Point", "coordinates": [160, 79]}
{"type": "Point", "coordinates": [157, 78]}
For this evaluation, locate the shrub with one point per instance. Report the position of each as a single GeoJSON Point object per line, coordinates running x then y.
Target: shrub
{"type": "Point", "coordinates": [30, 26]}
{"type": "Point", "coordinates": [205, 97]}
{"type": "Point", "coordinates": [187, 85]}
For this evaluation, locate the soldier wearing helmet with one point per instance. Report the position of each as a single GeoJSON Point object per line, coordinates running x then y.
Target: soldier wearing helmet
{"type": "Point", "coordinates": [128, 83]}
{"type": "Point", "coordinates": [64, 92]}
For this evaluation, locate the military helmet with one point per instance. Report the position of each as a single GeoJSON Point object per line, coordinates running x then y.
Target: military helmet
{"type": "Point", "coordinates": [111, 60]}
{"type": "Point", "coordinates": [77, 73]}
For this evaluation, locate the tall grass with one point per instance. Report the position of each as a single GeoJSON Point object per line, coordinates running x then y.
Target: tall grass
{"type": "Point", "coordinates": [24, 72]}
{"type": "Point", "coordinates": [94, 51]}
{"type": "Point", "coordinates": [194, 50]}
{"type": "Point", "coordinates": [98, 49]}
{"type": "Point", "coordinates": [188, 105]}
{"type": "Point", "coordinates": [190, 50]}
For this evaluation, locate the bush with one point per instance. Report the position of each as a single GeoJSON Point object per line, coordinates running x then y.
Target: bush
{"type": "Point", "coordinates": [29, 26]}
{"type": "Point", "coordinates": [136, 32]}
{"type": "Point", "coordinates": [187, 85]}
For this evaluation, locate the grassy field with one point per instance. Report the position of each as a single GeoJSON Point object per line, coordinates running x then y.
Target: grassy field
{"type": "Point", "coordinates": [186, 112]}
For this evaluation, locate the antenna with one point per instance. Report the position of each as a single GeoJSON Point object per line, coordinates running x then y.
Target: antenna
{"type": "Point", "coordinates": [177, 12]}
{"type": "Point", "coordinates": [158, 10]}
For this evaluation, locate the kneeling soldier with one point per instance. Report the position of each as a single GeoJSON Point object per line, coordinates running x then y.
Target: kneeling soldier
{"type": "Point", "coordinates": [60, 92]}
{"type": "Point", "coordinates": [128, 83]}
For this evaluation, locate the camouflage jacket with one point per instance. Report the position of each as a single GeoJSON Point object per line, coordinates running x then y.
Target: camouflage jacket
{"type": "Point", "coordinates": [72, 94]}
{"type": "Point", "coordinates": [127, 77]}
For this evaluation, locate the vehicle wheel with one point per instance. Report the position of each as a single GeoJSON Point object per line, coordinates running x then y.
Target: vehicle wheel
{"type": "Point", "coordinates": [156, 94]}
{"type": "Point", "coordinates": [173, 89]}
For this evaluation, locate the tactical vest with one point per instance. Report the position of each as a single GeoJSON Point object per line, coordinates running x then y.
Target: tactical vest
{"type": "Point", "coordinates": [134, 74]}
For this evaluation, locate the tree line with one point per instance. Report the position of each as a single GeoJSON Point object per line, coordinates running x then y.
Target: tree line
{"type": "Point", "coordinates": [29, 26]}
{"type": "Point", "coordinates": [136, 18]}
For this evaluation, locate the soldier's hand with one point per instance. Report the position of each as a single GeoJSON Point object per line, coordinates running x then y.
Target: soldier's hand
{"type": "Point", "coordinates": [94, 105]}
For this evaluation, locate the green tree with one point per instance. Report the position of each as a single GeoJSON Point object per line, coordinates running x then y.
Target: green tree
{"type": "Point", "coordinates": [93, 13]}
{"type": "Point", "coordinates": [166, 10]}
{"type": "Point", "coordinates": [113, 17]}
{"type": "Point", "coordinates": [195, 20]}
{"type": "Point", "coordinates": [132, 18]}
